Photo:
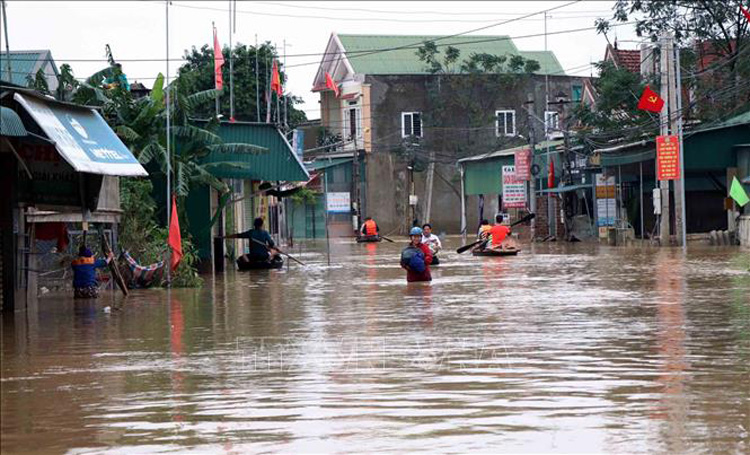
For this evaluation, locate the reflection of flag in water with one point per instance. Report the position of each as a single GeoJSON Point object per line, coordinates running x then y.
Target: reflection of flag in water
{"type": "Point", "coordinates": [177, 327]}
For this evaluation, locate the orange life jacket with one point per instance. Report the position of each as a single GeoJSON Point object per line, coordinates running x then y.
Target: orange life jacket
{"type": "Point", "coordinates": [370, 227]}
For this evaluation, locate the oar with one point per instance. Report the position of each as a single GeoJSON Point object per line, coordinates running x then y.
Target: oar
{"type": "Point", "coordinates": [528, 217]}
{"type": "Point", "coordinates": [281, 252]}
{"type": "Point", "coordinates": [386, 238]}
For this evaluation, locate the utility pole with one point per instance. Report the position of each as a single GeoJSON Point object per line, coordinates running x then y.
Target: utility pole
{"type": "Point", "coordinates": [356, 209]}
{"type": "Point", "coordinates": [429, 182]}
{"type": "Point", "coordinates": [283, 84]}
{"type": "Point", "coordinates": [679, 186]}
{"type": "Point", "coordinates": [218, 108]}
{"type": "Point", "coordinates": [666, 51]}
{"type": "Point", "coordinates": [532, 177]}
{"type": "Point", "coordinates": [257, 82]}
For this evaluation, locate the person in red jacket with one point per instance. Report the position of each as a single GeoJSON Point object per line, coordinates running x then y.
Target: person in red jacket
{"type": "Point", "coordinates": [416, 258]}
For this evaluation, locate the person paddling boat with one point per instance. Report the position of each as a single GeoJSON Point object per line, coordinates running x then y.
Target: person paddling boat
{"type": "Point", "coordinates": [261, 244]}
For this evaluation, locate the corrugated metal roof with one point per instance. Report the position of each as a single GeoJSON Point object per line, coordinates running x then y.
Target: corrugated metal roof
{"type": "Point", "coordinates": [10, 123]}
{"type": "Point", "coordinates": [741, 119]}
{"type": "Point", "coordinates": [511, 151]}
{"type": "Point", "coordinates": [326, 163]}
{"type": "Point", "coordinates": [279, 163]}
{"type": "Point", "coordinates": [23, 64]}
{"type": "Point", "coordinates": [404, 60]}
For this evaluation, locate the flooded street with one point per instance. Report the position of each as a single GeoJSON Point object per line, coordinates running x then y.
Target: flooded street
{"type": "Point", "coordinates": [566, 348]}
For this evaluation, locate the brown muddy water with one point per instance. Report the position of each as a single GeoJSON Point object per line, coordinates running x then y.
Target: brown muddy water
{"type": "Point", "coordinates": [566, 348]}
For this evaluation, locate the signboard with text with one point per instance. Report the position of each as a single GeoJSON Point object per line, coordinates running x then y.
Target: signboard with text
{"type": "Point", "coordinates": [339, 202]}
{"type": "Point", "coordinates": [523, 164]}
{"type": "Point", "coordinates": [667, 157]}
{"type": "Point", "coordinates": [606, 204]}
{"type": "Point", "coordinates": [514, 189]}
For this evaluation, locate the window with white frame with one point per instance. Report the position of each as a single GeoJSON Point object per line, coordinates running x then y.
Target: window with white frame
{"type": "Point", "coordinates": [505, 123]}
{"type": "Point", "coordinates": [411, 124]}
{"type": "Point", "coordinates": [551, 121]}
{"type": "Point", "coordinates": [352, 122]}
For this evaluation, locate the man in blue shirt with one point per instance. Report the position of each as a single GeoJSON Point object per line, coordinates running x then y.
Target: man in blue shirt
{"type": "Point", "coordinates": [262, 251]}
{"type": "Point", "coordinates": [84, 266]}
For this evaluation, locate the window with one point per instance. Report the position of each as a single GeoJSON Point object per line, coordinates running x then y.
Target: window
{"type": "Point", "coordinates": [577, 93]}
{"type": "Point", "coordinates": [411, 124]}
{"type": "Point", "coordinates": [352, 123]}
{"type": "Point", "coordinates": [505, 123]}
{"type": "Point", "coordinates": [551, 121]}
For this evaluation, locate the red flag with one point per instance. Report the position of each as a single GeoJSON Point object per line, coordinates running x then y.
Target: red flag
{"type": "Point", "coordinates": [175, 239]}
{"type": "Point", "coordinates": [275, 79]}
{"type": "Point", "coordinates": [745, 12]}
{"type": "Point", "coordinates": [551, 175]}
{"type": "Point", "coordinates": [650, 101]}
{"type": "Point", "coordinates": [332, 85]}
{"type": "Point", "coordinates": [218, 63]}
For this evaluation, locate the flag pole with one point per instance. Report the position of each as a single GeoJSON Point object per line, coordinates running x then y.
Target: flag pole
{"type": "Point", "coordinates": [231, 68]}
{"type": "Point", "coordinates": [169, 127]}
{"type": "Point", "coordinates": [213, 26]}
{"type": "Point", "coordinates": [257, 82]}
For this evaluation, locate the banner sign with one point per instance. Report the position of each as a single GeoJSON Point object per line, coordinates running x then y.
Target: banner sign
{"type": "Point", "coordinates": [606, 204]}
{"type": "Point", "coordinates": [339, 202]}
{"type": "Point", "coordinates": [667, 157]}
{"type": "Point", "coordinates": [514, 189]}
{"type": "Point", "coordinates": [523, 164]}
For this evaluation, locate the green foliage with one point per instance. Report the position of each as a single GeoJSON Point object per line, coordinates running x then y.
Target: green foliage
{"type": "Point", "coordinates": [38, 82]}
{"type": "Point", "coordinates": [721, 34]}
{"type": "Point", "coordinates": [145, 240]}
{"type": "Point", "coordinates": [617, 105]}
{"type": "Point", "coordinates": [304, 195]}
{"type": "Point", "coordinates": [197, 74]}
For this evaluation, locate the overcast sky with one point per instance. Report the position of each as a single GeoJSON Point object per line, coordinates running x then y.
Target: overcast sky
{"type": "Point", "coordinates": [78, 31]}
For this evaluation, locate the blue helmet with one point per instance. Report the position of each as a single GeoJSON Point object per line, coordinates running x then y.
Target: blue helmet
{"type": "Point", "coordinates": [415, 231]}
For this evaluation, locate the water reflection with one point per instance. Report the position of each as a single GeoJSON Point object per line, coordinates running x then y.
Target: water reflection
{"type": "Point", "coordinates": [563, 348]}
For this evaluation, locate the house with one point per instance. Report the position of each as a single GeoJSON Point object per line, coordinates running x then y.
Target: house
{"type": "Point", "coordinates": [254, 181]}
{"type": "Point", "coordinates": [409, 126]}
{"type": "Point", "coordinates": [25, 65]}
{"type": "Point", "coordinates": [59, 169]}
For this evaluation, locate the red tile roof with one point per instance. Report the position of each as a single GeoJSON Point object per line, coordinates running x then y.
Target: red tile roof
{"type": "Point", "coordinates": [630, 60]}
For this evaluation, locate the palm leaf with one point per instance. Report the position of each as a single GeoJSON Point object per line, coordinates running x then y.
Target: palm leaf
{"type": "Point", "coordinates": [196, 134]}
{"type": "Point", "coordinates": [196, 99]}
{"type": "Point", "coordinates": [157, 92]}
{"type": "Point", "coordinates": [127, 133]}
{"type": "Point", "coordinates": [97, 78]}
{"type": "Point", "coordinates": [152, 151]}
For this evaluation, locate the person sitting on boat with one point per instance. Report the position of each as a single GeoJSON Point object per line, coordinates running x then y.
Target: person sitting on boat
{"type": "Point", "coordinates": [432, 241]}
{"type": "Point", "coordinates": [261, 243]}
{"type": "Point", "coordinates": [369, 228]}
{"type": "Point", "coordinates": [416, 258]}
{"type": "Point", "coordinates": [84, 266]}
{"type": "Point", "coordinates": [484, 227]}
{"type": "Point", "coordinates": [498, 232]}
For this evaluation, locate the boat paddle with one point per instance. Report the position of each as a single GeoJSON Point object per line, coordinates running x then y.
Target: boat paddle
{"type": "Point", "coordinates": [386, 238]}
{"type": "Point", "coordinates": [280, 252]}
{"type": "Point", "coordinates": [528, 217]}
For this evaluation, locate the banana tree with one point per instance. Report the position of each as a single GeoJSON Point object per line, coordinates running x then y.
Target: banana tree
{"type": "Point", "coordinates": [142, 127]}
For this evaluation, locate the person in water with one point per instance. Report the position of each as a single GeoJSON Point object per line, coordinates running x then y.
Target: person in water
{"type": "Point", "coordinates": [416, 258]}
{"type": "Point", "coordinates": [432, 241]}
{"type": "Point", "coordinates": [369, 228]}
{"type": "Point", "coordinates": [262, 247]}
{"type": "Point", "coordinates": [498, 233]}
{"type": "Point", "coordinates": [85, 285]}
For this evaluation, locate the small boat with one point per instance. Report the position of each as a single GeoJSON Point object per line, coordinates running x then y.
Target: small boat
{"type": "Point", "coordinates": [491, 252]}
{"type": "Point", "coordinates": [369, 239]}
{"type": "Point", "coordinates": [276, 263]}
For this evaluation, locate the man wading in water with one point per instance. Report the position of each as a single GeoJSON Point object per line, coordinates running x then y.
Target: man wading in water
{"type": "Point", "coordinates": [416, 258]}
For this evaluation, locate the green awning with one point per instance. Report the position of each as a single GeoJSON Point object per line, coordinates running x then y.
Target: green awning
{"type": "Point", "coordinates": [280, 163]}
{"type": "Point", "coordinates": [10, 123]}
{"type": "Point", "coordinates": [321, 164]}
{"type": "Point", "coordinates": [486, 177]}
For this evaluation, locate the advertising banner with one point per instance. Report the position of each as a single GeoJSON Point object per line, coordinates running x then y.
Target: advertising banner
{"type": "Point", "coordinates": [514, 189]}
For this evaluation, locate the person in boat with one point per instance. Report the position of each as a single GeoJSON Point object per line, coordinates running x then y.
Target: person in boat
{"type": "Point", "coordinates": [259, 252]}
{"type": "Point", "coordinates": [416, 258]}
{"type": "Point", "coordinates": [432, 241]}
{"type": "Point", "coordinates": [484, 228]}
{"type": "Point", "coordinates": [85, 285]}
{"type": "Point", "coordinates": [498, 233]}
{"type": "Point", "coordinates": [369, 228]}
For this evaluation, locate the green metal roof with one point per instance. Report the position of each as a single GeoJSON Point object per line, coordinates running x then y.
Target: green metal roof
{"type": "Point", "coordinates": [741, 119]}
{"type": "Point", "coordinates": [320, 164]}
{"type": "Point", "coordinates": [10, 123]}
{"type": "Point", "coordinates": [23, 64]}
{"type": "Point", "coordinates": [279, 163]}
{"type": "Point", "coordinates": [360, 50]}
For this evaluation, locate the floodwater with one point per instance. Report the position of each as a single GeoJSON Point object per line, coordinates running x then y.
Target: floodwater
{"type": "Point", "coordinates": [566, 348]}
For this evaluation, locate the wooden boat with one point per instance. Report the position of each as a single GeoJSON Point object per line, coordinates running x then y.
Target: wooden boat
{"type": "Point", "coordinates": [276, 263]}
{"type": "Point", "coordinates": [508, 251]}
{"type": "Point", "coordinates": [369, 239]}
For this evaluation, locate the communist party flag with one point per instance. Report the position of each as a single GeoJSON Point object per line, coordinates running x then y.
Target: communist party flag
{"type": "Point", "coordinates": [276, 79]}
{"type": "Point", "coordinates": [175, 239]}
{"type": "Point", "coordinates": [218, 63]}
{"type": "Point", "coordinates": [650, 101]}
{"type": "Point", "coordinates": [332, 85]}
{"type": "Point", "coordinates": [746, 13]}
